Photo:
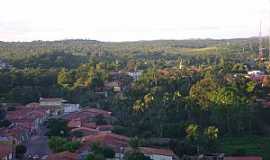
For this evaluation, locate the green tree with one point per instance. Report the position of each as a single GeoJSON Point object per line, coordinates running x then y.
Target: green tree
{"type": "Point", "coordinates": [20, 150]}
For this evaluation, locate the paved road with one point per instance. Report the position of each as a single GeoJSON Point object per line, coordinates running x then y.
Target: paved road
{"type": "Point", "coordinates": [38, 145]}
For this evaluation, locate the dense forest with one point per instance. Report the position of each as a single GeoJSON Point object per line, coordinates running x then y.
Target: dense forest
{"type": "Point", "coordinates": [189, 89]}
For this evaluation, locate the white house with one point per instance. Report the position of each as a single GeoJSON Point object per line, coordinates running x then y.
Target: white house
{"type": "Point", "coordinates": [158, 154]}
{"type": "Point", "coordinates": [69, 108]}
{"type": "Point", "coordinates": [135, 75]}
{"type": "Point", "coordinates": [255, 72]}
{"type": "Point", "coordinates": [51, 101]}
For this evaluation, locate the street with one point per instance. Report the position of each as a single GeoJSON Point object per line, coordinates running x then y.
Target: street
{"type": "Point", "coordinates": [38, 144]}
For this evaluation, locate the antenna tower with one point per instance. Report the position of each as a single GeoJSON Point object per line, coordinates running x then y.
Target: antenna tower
{"type": "Point", "coordinates": [260, 44]}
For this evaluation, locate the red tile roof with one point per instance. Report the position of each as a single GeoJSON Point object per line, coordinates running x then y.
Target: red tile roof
{"type": "Point", "coordinates": [88, 131]}
{"type": "Point", "coordinates": [105, 127]}
{"type": "Point", "coordinates": [112, 140]}
{"type": "Point", "coordinates": [5, 150]}
{"type": "Point", "coordinates": [33, 105]}
{"type": "Point", "coordinates": [244, 158]}
{"type": "Point", "coordinates": [89, 125]}
{"type": "Point", "coordinates": [155, 151]}
{"type": "Point", "coordinates": [75, 123]}
{"type": "Point", "coordinates": [63, 156]}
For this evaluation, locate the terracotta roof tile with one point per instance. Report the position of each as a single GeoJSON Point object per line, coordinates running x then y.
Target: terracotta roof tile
{"type": "Point", "coordinates": [64, 156]}
{"type": "Point", "coordinates": [5, 150]}
{"type": "Point", "coordinates": [156, 151]}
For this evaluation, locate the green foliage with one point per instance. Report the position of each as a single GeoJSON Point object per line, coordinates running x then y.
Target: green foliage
{"type": "Point", "coordinates": [2, 114]}
{"type": "Point", "coordinates": [57, 127]}
{"type": "Point", "coordinates": [134, 143]}
{"type": "Point", "coordinates": [94, 157]}
{"type": "Point", "coordinates": [59, 144]}
{"type": "Point", "coordinates": [77, 134]}
{"type": "Point", "coordinates": [246, 145]}
{"type": "Point", "coordinates": [135, 156]}
{"type": "Point", "coordinates": [20, 150]}
{"type": "Point", "coordinates": [250, 86]}
{"type": "Point", "coordinates": [4, 123]}
{"type": "Point", "coordinates": [209, 89]}
{"type": "Point", "coordinates": [56, 144]}
{"type": "Point", "coordinates": [100, 120]}
{"type": "Point", "coordinates": [99, 152]}
{"type": "Point", "coordinates": [192, 132]}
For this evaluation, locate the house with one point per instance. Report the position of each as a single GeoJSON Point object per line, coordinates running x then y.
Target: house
{"type": "Point", "coordinates": [114, 86]}
{"type": "Point", "coordinates": [85, 131]}
{"type": "Point", "coordinates": [244, 158]}
{"type": "Point", "coordinates": [29, 118]}
{"type": "Point", "coordinates": [6, 152]}
{"type": "Point", "coordinates": [69, 108]}
{"type": "Point", "coordinates": [17, 134]}
{"type": "Point", "coordinates": [104, 127]}
{"type": "Point", "coordinates": [54, 104]}
{"type": "Point", "coordinates": [63, 156]}
{"type": "Point", "coordinates": [51, 101]}
{"type": "Point", "coordinates": [255, 72]}
{"type": "Point", "coordinates": [88, 113]}
{"type": "Point", "coordinates": [75, 123]}
{"type": "Point", "coordinates": [158, 154]}
{"type": "Point", "coordinates": [4, 65]}
{"type": "Point", "coordinates": [117, 142]}
{"type": "Point", "coordinates": [135, 75]}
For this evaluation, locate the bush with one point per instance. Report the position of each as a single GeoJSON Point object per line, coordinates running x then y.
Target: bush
{"type": "Point", "coordinates": [20, 151]}
{"type": "Point", "coordinates": [4, 123]}
{"type": "Point", "coordinates": [77, 134]}
{"type": "Point", "coordinates": [108, 152]}
{"type": "Point", "coordinates": [59, 144]}
{"type": "Point", "coordinates": [135, 156]}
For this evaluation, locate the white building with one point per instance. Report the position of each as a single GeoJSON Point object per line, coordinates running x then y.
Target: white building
{"type": "Point", "coordinates": [51, 101]}
{"type": "Point", "coordinates": [69, 108]}
{"type": "Point", "coordinates": [135, 75]}
{"type": "Point", "coordinates": [158, 154]}
{"type": "Point", "coordinates": [255, 72]}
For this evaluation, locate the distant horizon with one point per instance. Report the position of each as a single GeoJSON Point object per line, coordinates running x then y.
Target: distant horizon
{"type": "Point", "coordinates": [89, 39]}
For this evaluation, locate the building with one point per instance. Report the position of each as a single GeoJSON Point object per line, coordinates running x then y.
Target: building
{"type": "Point", "coordinates": [135, 75]}
{"type": "Point", "coordinates": [51, 101]}
{"type": "Point", "coordinates": [28, 118]}
{"type": "Point", "coordinates": [255, 72]}
{"type": "Point", "coordinates": [117, 142]}
{"type": "Point", "coordinates": [158, 154]}
{"type": "Point", "coordinates": [64, 156]}
{"type": "Point", "coordinates": [4, 65]}
{"type": "Point", "coordinates": [69, 108]}
{"type": "Point", "coordinates": [75, 123]}
{"type": "Point", "coordinates": [54, 104]}
{"type": "Point", "coordinates": [85, 131]}
{"type": "Point", "coordinates": [6, 152]}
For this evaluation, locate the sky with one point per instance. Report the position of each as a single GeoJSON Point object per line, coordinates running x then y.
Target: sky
{"type": "Point", "coordinates": [131, 20]}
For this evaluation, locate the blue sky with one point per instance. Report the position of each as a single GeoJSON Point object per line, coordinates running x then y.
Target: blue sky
{"type": "Point", "coordinates": [129, 20]}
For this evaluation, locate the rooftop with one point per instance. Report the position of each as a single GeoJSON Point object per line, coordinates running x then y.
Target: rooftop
{"type": "Point", "coordinates": [156, 151]}
{"type": "Point", "coordinates": [5, 150]}
{"type": "Point", "coordinates": [63, 156]}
